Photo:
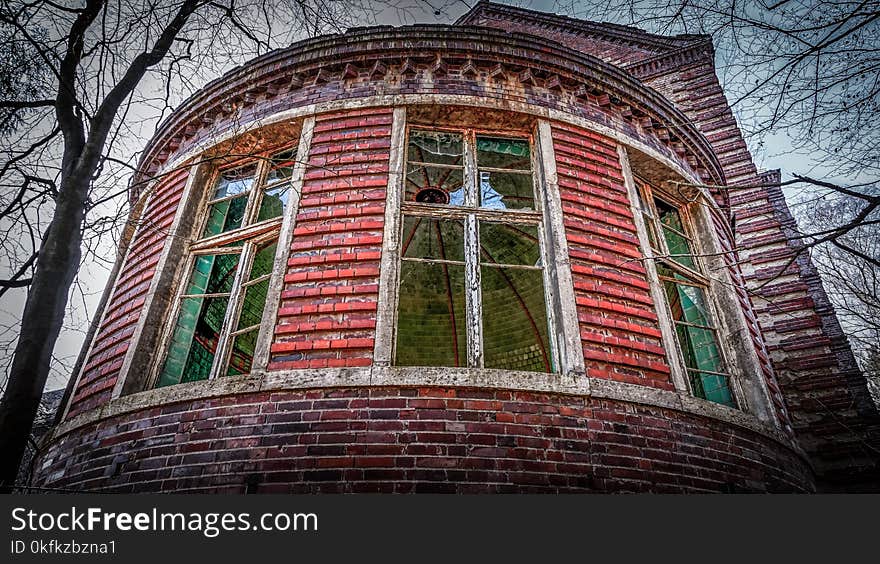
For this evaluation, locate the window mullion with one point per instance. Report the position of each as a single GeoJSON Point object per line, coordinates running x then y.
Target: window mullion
{"type": "Point", "coordinates": [472, 293]}
{"type": "Point", "coordinates": [232, 311]}
{"type": "Point", "coordinates": [256, 195]}
{"type": "Point", "coordinates": [472, 256]}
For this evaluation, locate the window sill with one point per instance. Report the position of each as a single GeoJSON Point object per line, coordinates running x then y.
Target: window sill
{"type": "Point", "coordinates": [378, 376]}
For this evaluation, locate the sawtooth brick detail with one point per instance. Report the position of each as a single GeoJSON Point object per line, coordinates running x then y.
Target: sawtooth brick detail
{"type": "Point", "coordinates": [112, 340]}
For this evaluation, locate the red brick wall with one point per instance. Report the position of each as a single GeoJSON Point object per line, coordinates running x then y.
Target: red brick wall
{"type": "Point", "coordinates": [618, 322]}
{"type": "Point", "coordinates": [113, 337]}
{"type": "Point", "coordinates": [417, 440]}
{"type": "Point", "coordinates": [327, 316]}
{"type": "Point", "coordinates": [813, 368]}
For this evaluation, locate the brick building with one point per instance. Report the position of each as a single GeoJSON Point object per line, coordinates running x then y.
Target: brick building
{"type": "Point", "coordinates": [461, 259]}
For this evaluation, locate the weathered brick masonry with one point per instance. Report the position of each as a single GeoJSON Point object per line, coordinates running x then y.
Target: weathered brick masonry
{"type": "Point", "coordinates": [327, 315]}
{"type": "Point", "coordinates": [329, 411]}
{"type": "Point", "coordinates": [824, 391]}
{"type": "Point", "coordinates": [619, 330]}
{"type": "Point", "coordinates": [123, 310]}
{"type": "Point", "coordinates": [418, 440]}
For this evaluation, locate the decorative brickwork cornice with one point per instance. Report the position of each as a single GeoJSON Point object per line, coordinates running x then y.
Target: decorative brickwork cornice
{"type": "Point", "coordinates": [431, 60]}
{"type": "Point", "coordinates": [615, 33]}
{"type": "Point", "coordinates": [674, 61]}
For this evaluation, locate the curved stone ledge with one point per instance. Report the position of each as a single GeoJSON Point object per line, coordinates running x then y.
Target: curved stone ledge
{"type": "Point", "coordinates": [454, 434]}
{"type": "Point", "coordinates": [420, 377]}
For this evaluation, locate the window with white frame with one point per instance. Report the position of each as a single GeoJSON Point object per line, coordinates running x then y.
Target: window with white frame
{"type": "Point", "coordinates": [685, 290]}
{"type": "Point", "coordinates": [220, 306]}
{"type": "Point", "coordinates": [472, 273]}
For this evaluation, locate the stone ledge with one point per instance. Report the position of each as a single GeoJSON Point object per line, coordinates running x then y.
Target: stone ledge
{"type": "Point", "coordinates": [378, 376]}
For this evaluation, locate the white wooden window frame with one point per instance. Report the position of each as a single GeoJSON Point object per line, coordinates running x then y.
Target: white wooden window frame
{"type": "Point", "coordinates": [744, 372]}
{"type": "Point", "coordinates": [251, 234]}
{"type": "Point", "coordinates": [564, 340]}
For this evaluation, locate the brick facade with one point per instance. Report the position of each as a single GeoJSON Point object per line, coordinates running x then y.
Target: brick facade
{"type": "Point", "coordinates": [418, 440]}
{"type": "Point", "coordinates": [327, 314]}
{"type": "Point", "coordinates": [824, 392]}
{"type": "Point", "coordinates": [105, 358]}
{"type": "Point", "coordinates": [322, 414]}
{"type": "Point", "coordinates": [618, 323]}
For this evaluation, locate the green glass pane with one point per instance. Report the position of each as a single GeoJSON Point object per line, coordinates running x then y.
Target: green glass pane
{"type": "Point", "coordinates": [194, 340]}
{"type": "Point", "coordinates": [274, 202]}
{"type": "Point", "coordinates": [435, 147]}
{"type": "Point", "coordinates": [506, 190]}
{"type": "Point", "coordinates": [264, 259]}
{"type": "Point", "coordinates": [225, 216]}
{"type": "Point", "coordinates": [236, 181]}
{"type": "Point", "coordinates": [252, 305]}
{"type": "Point", "coordinates": [515, 335]}
{"type": "Point", "coordinates": [213, 274]}
{"type": "Point", "coordinates": [422, 180]}
{"type": "Point", "coordinates": [498, 152]}
{"type": "Point", "coordinates": [431, 315]}
{"type": "Point", "coordinates": [432, 238]}
{"type": "Point", "coordinates": [679, 248]}
{"type": "Point", "coordinates": [509, 244]}
{"type": "Point", "coordinates": [713, 387]}
{"type": "Point", "coordinates": [242, 355]}
{"type": "Point", "coordinates": [700, 348]}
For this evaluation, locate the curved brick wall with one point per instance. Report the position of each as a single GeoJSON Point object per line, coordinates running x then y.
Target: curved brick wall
{"type": "Point", "coordinates": [383, 438]}
{"type": "Point", "coordinates": [417, 440]}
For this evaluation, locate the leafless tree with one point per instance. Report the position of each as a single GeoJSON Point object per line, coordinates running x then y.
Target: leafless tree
{"type": "Point", "coordinates": [83, 84]}
{"type": "Point", "coordinates": [803, 78]}
{"type": "Point", "coordinates": [850, 268]}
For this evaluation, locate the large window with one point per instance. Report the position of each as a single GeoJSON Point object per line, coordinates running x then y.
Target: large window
{"type": "Point", "coordinates": [472, 290]}
{"type": "Point", "coordinates": [220, 306]}
{"type": "Point", "coordinates": [684, 287]}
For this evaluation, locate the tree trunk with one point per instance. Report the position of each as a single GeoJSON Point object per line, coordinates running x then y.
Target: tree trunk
{"type": "Point", "coordinates": [41, 323]}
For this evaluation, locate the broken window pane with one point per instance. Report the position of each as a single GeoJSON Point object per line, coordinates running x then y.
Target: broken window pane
{"type": "Point", "coordinates": [274, 202]}
{"type": "Point", "coordinates": [434, 185]}
{"type": "Point", "coordinates": [514, 320]}
{"type": "Point", "coordinates": [264, 259]}
{"type": "Point", "coordinates": [281, 167]}
{"type": "Point", "coordinates": [213, 274]}
{"type": "Point", "coordinates": [428, 238]}
{"type": "Point", "coordinates": [431, 317]}
{"type": "Point", "coordinates": [506, 190]}
{"type": "Point", "coordinates": [503, 243]}
{"type": "Point", "coordinates": [194, 341]}
{"type": "Point", "coordinates": [438, 147]}
{"type": "Point", "coordinates": [697, 338]}
{"type": "Point", "coordinates": [241, 357]}
{"type": "Point", "coordinates": [277, 187]}
{"type": "Point", "coordinates": [225, 216]}
{"type": "Point", "coordinates": [236, 181]}
{"type": "Point", "coordinates": [498, 152]}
